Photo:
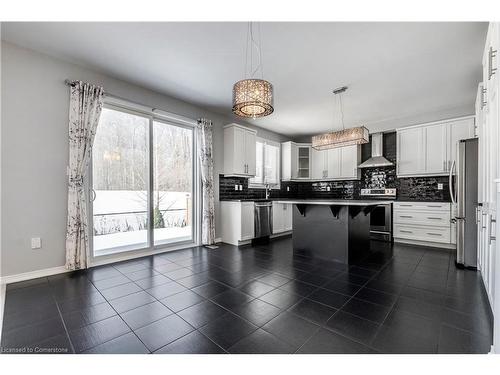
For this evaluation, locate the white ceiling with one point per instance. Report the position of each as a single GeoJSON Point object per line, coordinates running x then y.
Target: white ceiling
{"type": "Point", "coordinates": [398, 73]}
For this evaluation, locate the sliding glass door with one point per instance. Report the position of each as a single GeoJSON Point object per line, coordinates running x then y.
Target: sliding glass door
{"type": "Point", "coordinates": [172, 183]}
{"type": "Point", "coordinates": [142, 183]}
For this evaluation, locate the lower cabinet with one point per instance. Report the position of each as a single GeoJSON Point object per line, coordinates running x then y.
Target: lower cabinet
{"type": "Point", "coordinates": [237, 222]}
{"type": "Point", "coordinates": [425, 222]}
{"type": "Point", "coordinates": [282, 217]}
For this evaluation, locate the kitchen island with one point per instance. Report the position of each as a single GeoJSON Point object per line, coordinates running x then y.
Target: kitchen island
{"type": "Point", "coordinates": [337, 230]}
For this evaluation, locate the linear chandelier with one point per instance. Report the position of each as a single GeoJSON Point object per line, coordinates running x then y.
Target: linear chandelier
{"type": "Point", "coordinates": [341, 138]}
{"type": "Point", "coordinates": [253, 97]}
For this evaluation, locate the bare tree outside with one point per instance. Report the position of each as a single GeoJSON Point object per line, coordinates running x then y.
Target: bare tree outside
{"type": "Point", "coordinates": [121, 175]}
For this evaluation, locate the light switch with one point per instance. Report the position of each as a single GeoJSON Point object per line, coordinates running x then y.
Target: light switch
{"type": "Point", "coordinates": [235, 187]}
{"type": "Point", "coordinates": [36, 243]}
{"type": "Point", "coordinates": [440, 186]}
{"type": "Point", "coordinates": [241, 187]}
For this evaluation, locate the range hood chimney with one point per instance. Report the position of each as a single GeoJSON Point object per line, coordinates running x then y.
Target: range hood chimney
{"type": "Point", "coordinates": [377, 160]}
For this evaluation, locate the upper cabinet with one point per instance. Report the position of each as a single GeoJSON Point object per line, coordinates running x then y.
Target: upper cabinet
{"type": "Point", "coordinates": [336, 164]}
{"type": "Point", "coordinates": [239, 151]}
{"type": "Point", "coordinates": [296, 161]}
{"type": "Point", "coordinates": [431, 149]}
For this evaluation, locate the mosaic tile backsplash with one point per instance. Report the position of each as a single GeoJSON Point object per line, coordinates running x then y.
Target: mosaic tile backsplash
{"type": "Point", "coordinates": [411, 188]}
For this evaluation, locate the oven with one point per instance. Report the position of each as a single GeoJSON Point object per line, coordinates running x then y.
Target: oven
{"type": "Point", "coordinates": [381, 215]}
{"type": "Point", "coordinates": [381, 223]}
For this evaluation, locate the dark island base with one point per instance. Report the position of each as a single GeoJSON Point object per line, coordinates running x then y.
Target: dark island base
{"type": "Point", "coordinates": [336, 233]}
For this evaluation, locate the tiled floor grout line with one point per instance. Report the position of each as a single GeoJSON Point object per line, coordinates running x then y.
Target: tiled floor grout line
{"type": "Point", "coordinates": [265, 268]}
{"type": "Point", "coordinates": [61, 317]}
{"type": "Point", "coordinates": [123, 320]}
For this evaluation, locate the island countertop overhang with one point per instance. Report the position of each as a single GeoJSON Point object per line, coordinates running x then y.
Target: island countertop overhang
{"type": "Point", "coordinates": [334, 202]}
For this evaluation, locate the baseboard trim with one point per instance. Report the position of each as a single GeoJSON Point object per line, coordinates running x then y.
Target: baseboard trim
{"type": "Point", "coordinates": [218, 240]}
{"type": "Point", "coordinates": [425, 243]}
{"type": "Point", "coordinates": [32, 275]}
{"type": "Point", "coordinates": [2, 306]}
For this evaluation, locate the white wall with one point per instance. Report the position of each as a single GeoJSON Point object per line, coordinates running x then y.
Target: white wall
{"type": "Point", "coordinates": [34, 148]}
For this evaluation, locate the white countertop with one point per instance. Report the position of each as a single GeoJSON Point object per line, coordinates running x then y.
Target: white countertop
{"type": "Point", "coordinates": [334, 202]}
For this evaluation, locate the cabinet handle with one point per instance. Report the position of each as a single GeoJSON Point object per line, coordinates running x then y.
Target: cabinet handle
{"type": "Point", "coordinates": [405, 231]}
{"type": "Point", "coordinates": [492, 238]}
{"type": "Point", "coordinates": [483, 226]}
{"type": "Point", "coordinates": [433, 205]}
{"type": "Point", "coordinates": [435, 218]}
{"type": "Point", "coordinates": [405, 205]}
{"type": "Point", "coordinates": [492, 54]}
{"type": "Point", "coordinates": [406, 216]}
{"type": "Point", "coordinates": [434, 234]}
{"type": "Point", "coordinates": [483, 97]}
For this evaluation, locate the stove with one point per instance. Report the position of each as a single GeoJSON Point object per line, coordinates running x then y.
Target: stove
{"type": "Point", "coordinates": [381, 215]}
{"type": "Point", "coordinates": [379, 192]}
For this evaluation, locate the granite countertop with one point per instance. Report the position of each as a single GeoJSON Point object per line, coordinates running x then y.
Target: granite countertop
{"type": "Point", "coordinates": [326, 199]}
{"type": "Point", "coordinates": [336, 202]}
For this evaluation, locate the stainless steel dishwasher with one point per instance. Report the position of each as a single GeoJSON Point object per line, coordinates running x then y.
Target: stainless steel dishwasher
{"type": "Point", "coordinates": [263, 222]}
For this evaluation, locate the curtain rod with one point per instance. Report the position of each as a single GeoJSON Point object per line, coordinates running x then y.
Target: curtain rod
{"type": "Point", "coordinates": [160, 112]}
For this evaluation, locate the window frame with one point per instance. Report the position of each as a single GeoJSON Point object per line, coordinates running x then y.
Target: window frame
{"type": "Point", "coordinates": [262, 185]}
{"type": "Point", "coordinates": [160, 116]}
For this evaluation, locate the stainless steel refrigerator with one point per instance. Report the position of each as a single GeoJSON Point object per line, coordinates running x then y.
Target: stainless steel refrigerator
{"type": "Point", "coordinates": [463, 191]}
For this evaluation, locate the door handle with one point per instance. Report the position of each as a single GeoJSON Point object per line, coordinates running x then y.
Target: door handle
{"type": "Point", "coordinates": [94, 195]}
{"type": "Point", "coordinates": [450, 183]}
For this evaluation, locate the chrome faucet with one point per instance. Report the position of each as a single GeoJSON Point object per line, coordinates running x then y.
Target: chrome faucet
{"type": "Point", "coordinates": [267, 190]}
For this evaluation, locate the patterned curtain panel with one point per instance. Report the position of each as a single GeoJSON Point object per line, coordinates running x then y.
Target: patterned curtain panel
{"type": "Point", "coordinates": [207, 181]}
{"type": "Point", "coordinates": [84, 111]}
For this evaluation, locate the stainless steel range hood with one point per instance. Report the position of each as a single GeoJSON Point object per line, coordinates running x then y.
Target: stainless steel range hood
{"type": "Point", "coordinates": [377, 160]}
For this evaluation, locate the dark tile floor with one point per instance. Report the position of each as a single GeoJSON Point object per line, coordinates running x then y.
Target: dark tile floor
{"type": "Point", "coordinates": [261, 299]}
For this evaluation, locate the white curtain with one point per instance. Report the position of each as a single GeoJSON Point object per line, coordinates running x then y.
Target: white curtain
{"type": "Point", "coordinates": [207, 181]}
{"type": "Point", "coordinates": [84, 111]}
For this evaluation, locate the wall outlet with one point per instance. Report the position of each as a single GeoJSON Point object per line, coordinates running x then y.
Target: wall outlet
{"type": "Point", "coordinates": [288, 188]}
{"type": "Point", "coordinates": [235, 187]}
{"type": "Point", "coordinates": [440, 186]}
{"type": "Point", "coordinates": [36, 243]}
{"type": "Point", "coordinates": [241, 187]}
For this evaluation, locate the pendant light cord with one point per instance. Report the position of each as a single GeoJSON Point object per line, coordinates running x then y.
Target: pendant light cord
{"type": "Point", "coordinates": [341, 111]}
{"type": "Point", "coordinates": [250, 72]}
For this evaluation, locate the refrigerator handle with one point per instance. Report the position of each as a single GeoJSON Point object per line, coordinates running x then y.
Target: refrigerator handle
{"type": "Point", "coordinates": [450, 183]}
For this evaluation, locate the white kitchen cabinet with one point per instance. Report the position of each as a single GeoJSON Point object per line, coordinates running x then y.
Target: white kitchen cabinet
{"type": "Point", "coordinates": [436, 142]}
{"type": "Point", "coordinates": [424, 223]}
{"type": "Point", "coordinates": [336, 163]}
{"type": "Point", "coordinates": [295, 161]}
{"type": "Point", "coordinates": [288, 217]}
{"type": "Point", "coordinates": [239, 151]}
{"type": "Point", "coordinates": [333, 163]}
{"type": "Point", "coordinates": [487, 107]}
{"type": "Point", "coordinates": [410, 152]}
{"type": "Point", "coordinates": [457, 130]}
{"type": "Point", "coordinates": [237, 222]}
{"type": "Point", "coordinates": [282, 217]}
{"type": "Point", "coordinates": [319, 164]}
{"type": "Point", "coordinates": [350, 157]}
{"type": "Point", "coordinates": [278, 218]}
{"type": "Point", "coordinates": [430, 149]}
